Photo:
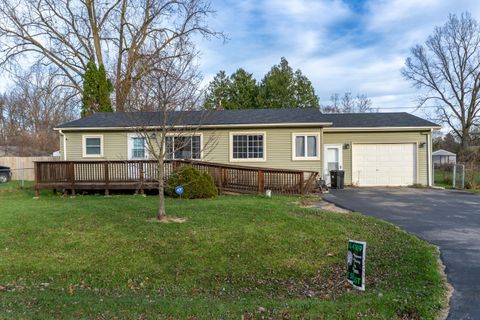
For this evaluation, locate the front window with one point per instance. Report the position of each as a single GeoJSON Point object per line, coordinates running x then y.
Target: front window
{"type": "Point", "coordinates": [92, 146]}
{"type": "Point", "coordinates": [138, 148]}
{"type": "Point", "coordinates": [180, 148]}
{"type": "Point", "coordinates": [248, 146]}
{"type": "Point", "coordinates": [305, 146]}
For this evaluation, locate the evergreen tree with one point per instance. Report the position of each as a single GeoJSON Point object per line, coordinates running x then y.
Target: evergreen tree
{"type": "Point", "coordinates": [277, 89]}
{"type": "Point", "coordinates": [217, 94]}
{"type": "Point", "coordinates": [280, 88]}
{"type": "Point", "coordinates": [96, 90]}
{"type": "Point", "coordinates": [283, 88]}
{"type": "Point", "coordinates": [243, 91]}
{"type": "Point", "coordinates": [305, 96]}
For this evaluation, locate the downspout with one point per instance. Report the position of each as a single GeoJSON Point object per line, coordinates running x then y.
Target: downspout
{"type": "Point", "coordinates": [321, 155]}
{"type": "Point", "coordinates": [64, 145]}
{"type": "Point", "coordinates": [428, 137]}
{"type": "Point", "coordinates": [430, 158]}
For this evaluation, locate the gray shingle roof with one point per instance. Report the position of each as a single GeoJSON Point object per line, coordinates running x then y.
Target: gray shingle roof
{"type": "Point", "coordinates": [442, 152]}
{"type": "Point", "coordinates": [249, 117]}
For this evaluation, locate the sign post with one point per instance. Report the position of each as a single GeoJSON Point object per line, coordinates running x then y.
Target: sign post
{"type": "Point", "coordinates": [356, 264]}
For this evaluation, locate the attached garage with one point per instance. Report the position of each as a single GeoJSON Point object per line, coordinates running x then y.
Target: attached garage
{"type": "Point", "coordinates": [384, 164]}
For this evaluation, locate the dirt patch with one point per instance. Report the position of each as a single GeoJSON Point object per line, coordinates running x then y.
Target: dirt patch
{"type": "Point", "coordinates": [323, 205]}
{"type": "Point", "coordinates": [168, 219]}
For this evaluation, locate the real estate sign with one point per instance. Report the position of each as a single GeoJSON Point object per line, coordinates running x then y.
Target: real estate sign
{"type": "Point", "coordinates": [356, 264]}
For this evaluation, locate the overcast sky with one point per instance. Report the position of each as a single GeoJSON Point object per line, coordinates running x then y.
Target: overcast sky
{"type": "Point", "coordinates": [354, 46]}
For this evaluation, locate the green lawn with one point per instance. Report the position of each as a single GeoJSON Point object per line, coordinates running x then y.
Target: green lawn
{"type": "Point", "coordinates": [443, 177]}
{"type": "Point", "coordinates": [100, 258]}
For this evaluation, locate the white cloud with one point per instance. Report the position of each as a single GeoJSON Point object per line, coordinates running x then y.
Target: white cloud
{"type": "Point", "coordinates": [338, 48]}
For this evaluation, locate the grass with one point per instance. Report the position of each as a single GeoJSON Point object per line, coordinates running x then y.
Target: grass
{"type": "Point", "coordinates": [443, 177]}
{"type": "Point", "coordinates": [99, 257]}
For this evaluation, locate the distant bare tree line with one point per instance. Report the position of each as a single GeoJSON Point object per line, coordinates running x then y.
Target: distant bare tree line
{"type": "Point", "coordinates": [348, 103]}
{"type": "Point", "coordinates": [30, 110]}
{"type": "Point", "coordinates": [130, 38]}
{"type": "Point", "coordinates": [134, 40]}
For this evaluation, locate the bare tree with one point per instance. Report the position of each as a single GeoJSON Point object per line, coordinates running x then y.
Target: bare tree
{"type": "Point", "coordinates": [348, 103]}
{"type": "Point", "coordinates": [35, 103]}
{"type": "Point", "coordinates": [447, 69]}
{"type": "Point", "coordinates": [172, 92]}
{"type": "Point", "coordinates": [446, 142]}
{"type": "Point", "coordinates": [129, 37]}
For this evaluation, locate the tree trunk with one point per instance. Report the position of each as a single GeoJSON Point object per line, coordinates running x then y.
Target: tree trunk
{"type": "Point", "coordinates": [119, 101]}
{"type": "Point", "coordinates": [120, 105]}
{"type": "Point", "coordinates": [121, 95]}
{"type": "Point", "coordinates": [161, 215]}
{"type": "Point", "coordinates": [95, 32]}
{"type": "Point", "coordinates": [465, 141]}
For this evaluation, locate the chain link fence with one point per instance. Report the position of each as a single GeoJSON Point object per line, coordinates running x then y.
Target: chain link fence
{"type": "Point", "coordinates": [457, 176]}
{"type": "Point", "coordinates": [19, 174]}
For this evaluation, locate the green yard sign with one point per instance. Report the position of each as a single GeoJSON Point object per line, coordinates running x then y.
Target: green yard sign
{"type": "Point", "coordinates": [356, 264]}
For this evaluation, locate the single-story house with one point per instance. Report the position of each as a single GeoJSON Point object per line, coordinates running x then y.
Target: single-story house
{"type": "Point", "coordinates": [374, 149]}
{"type": "Point", "coordinates": [444, 157]}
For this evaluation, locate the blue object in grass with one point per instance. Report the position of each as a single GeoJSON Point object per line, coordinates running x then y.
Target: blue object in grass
{"type": "Point", "coordinates": [179, 190]}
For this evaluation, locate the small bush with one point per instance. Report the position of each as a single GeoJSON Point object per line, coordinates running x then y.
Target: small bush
{"type": "Point", "coordinates": [196, 184]}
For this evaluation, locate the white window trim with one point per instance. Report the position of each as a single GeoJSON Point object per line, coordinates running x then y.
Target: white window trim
{"type": "Point", "coordinates": [84, 145]}
{"type": "Point", "coordinates": [130, 146]}
{"type": "Point", "coordinates": [243, 133]}
{"type": "Point", "coordinates": [294, 147]}
{"type": "Point", "coordinates": [200, 134]}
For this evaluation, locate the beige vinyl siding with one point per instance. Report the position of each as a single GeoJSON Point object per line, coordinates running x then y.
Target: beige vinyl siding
{"type": "Point", "coordinates": [381, 137]}
{"type": "Point", "coordinates": [114, 145]}
{"type": "Point", "coordinates": [216, 147]}
{"type": "Point", "coordinates": [278, 143]}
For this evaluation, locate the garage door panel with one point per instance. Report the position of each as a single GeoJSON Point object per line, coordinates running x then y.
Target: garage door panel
{"type": "Point", "coordinates": [384, 164]}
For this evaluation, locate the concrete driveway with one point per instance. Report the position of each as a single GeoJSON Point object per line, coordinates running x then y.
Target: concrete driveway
{"type": "Point", "coordinates": [448, 219]}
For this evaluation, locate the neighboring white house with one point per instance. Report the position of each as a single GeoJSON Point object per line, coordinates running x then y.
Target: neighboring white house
{"type": "Point", "coordinates": [444, 157]}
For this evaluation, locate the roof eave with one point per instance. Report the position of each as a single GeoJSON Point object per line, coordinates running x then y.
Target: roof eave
{"type": "Point", "coordinates": [404, 128]}
{"type": "Point", "coordinates": [208, 126]}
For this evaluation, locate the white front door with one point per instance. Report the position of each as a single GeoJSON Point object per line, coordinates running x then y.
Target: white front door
{"type": "Point", "coordinates": [332, 160]}
{"type": "Point", "coordinates": [137, 150]}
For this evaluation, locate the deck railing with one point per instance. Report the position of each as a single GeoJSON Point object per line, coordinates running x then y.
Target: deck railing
{"type": "Point", "coordinates": [142, 175]}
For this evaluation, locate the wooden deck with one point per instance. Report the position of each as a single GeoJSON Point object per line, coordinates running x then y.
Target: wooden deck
{"type": "Point", "coordinates": [143, 175]}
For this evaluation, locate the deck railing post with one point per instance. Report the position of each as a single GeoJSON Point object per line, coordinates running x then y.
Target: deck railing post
{"type": "Point", "coordinates": [106, 177]}
{"type": "Point", "coordinates": [142, 178]}
{"type": "Point", "coordinates": [220, 179]}
{"type": "Point", "coordinates": [261, 181]}
{"type": "Point", "coordinates": [71, 173]}
{"type": "Point", "coordinates": [302, 183]}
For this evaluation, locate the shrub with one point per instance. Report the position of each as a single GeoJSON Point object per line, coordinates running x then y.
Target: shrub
{"type": "Point", "coordinates": [196, 184]}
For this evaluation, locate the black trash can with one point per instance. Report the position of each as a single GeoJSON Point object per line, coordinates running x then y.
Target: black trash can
{"type": "Point", "coordinates": [336, 179]}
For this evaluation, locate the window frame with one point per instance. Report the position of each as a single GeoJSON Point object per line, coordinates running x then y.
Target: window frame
{"type": "Point", "coordinates": [130, 137]}
{"type": "Point", "coordinates": [248, 133]}
{"type": "Point", "coordinates": [185, 135]}
{"type": "Point", "coordinates": [84, 145]}
{"type": "Point", "coordinates": [294, 146]}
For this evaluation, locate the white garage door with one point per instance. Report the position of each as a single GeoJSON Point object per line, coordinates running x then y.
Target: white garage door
{"type": "Point", "coordinates": [384, 164]}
